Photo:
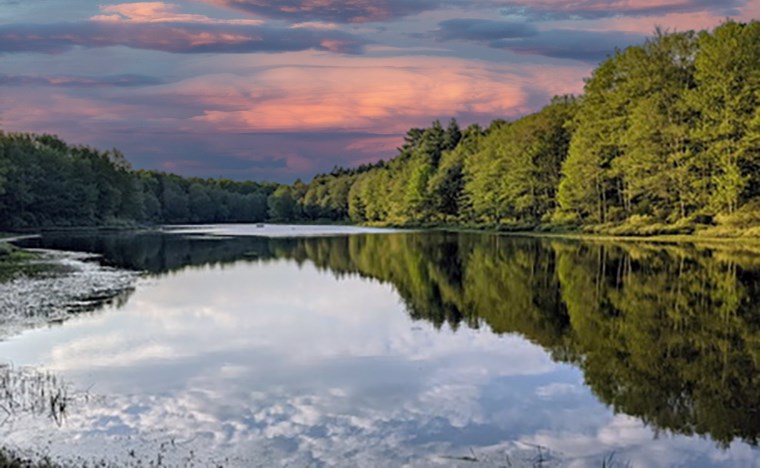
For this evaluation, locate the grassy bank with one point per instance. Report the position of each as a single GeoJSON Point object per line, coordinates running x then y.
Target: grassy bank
{"type": "Point", "coordinates": [10, 254]}
{"type": "Point", "coordinates": [15, 262]}
{"type": "Point", "coordinates": [649, 232]}
{"type": "Point", "coordinates": [743, 224]}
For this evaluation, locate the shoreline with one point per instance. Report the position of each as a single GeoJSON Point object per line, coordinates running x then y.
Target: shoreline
{"type": "Point", "coordinates": [49, 286]}
{"type": "Point", "coordinates": [10, 237]}
{"type": "Point", "coordinates": [574, 235]}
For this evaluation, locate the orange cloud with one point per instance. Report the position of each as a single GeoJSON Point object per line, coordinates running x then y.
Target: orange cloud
{"type": "Point", "coordinates": [381, 95]}
{"type": "Point", "coordinates": [57, 38]}
{"type": "Point", "coordinates": [158, 12]}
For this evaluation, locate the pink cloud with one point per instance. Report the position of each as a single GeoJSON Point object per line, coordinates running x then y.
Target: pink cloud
{"type": "Point", "coordinates": [646, 24]}
{"type": "Point", "coordinates": [159, 12]}
{"type": "Point", "coordinates": [172, 37]}
{"type": "Point", "coordinates": [315, 25]}
{"type": "Point", "coordinates": [369, 94]}
{"type": "Point", "coordinates": [344, 109]}
{"type": "Point", "coordinates": [81, 119]}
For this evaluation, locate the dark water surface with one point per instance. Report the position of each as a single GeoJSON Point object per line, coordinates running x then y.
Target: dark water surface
{"type": "Point", "coordinates": [399, 349]}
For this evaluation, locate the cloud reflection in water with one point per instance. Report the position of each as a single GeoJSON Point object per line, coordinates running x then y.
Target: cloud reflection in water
{"type": "Point", "coordinates": [261, 363]}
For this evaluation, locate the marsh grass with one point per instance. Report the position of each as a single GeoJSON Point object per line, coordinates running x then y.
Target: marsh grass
{"type": "Point", "coordinates": [16, 262]}
{"type": "Point", "coordinates": [522, 455]}
{"type": "Point", "coordinates": [12, 459]}
{"type": "Point", "coordinates": [31, 392]}
{"type": "Point", "coordinates": [27, 392]}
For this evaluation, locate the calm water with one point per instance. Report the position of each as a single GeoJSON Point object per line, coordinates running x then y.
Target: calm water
{"type": "Point", "coordinates": [419, 349]}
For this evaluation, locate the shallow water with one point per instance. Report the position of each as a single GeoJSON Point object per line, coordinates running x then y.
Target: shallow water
{"type": "Point", "coordinates": [393, 349]}
{"type": "Point", "coordinates": [276, 230]}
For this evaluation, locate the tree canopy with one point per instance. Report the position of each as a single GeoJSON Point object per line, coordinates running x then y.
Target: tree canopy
{"type": "Point", "coordinates": [665, 137]}
{"type": "Point", "coordinates": [666, 133]}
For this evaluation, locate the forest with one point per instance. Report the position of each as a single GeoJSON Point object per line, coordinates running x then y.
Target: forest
{"type": "Point", "coordinates": [665, 139]}
{"type": "Point", "coordinates": [46, 183]}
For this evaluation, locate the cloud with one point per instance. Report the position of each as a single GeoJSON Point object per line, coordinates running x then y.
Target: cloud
{"type": "Point", "coordinates": [525, 39]}
{"type": "Point", "coordinates": [365, 386]}
{"type": "Point", "coordinates": [587, 46]}
{"type": "Point", "coordinates": [281, 156]}
{"type": "Point", "coordinates": [159, 12]}
{"type": "Point", "coordinates": [172, 37]}
{"type": "Point", "coordinates": [297, 113]}
{"type": "Point", "coordinates": [338, 11]}
{"type": "Point", "coordinates": [124, 81]}
{"type": "Point", "coordinates": [556, 9]}
{"type": "Point", "coordinates": [483, 30]}
{"type": "Point", "coordinates": [365, 11]}
{"type": "Point", "coordinates": [389, 94]}
{"type": "Point", "coordinates": [315, 25]}
{"type": "Point", "coordinates": [631, 441]}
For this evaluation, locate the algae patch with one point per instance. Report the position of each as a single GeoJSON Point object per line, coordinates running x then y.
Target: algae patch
{"type": "Point", "coordinates": [42, 286]}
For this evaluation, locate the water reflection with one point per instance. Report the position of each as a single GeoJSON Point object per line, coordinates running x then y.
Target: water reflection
{"type": "Point", "coordinates": [257, 352]}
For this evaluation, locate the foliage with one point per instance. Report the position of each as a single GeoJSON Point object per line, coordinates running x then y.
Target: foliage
{"type": "Point", "coordinates": [667, 133]}
{"type": "Point", "coordinates": [48, 183]}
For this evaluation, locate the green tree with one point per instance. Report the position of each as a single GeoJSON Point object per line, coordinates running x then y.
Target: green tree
{"type": "Point", "coordinates": [727, 98]}
{"type": "Point", "coordinates": [202, 209]}
{"type": "Point", "coordinates": [589, 188]}
{"type": "Point", "coordinates": [656, 164]}
{"type": "Point", "coordinates": [175, 203]}
{"type": "Point", "coordinates": [452, 136]}
{"type": "Point", "coordinates": [282, 204]}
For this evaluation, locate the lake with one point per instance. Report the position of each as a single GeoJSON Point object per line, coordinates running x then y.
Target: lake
{"type": "Point", "coordinates": [298, 346]}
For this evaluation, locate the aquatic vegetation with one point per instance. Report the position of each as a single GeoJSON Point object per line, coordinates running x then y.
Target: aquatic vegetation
{"type": "Point", "coordinates": [47, 286]}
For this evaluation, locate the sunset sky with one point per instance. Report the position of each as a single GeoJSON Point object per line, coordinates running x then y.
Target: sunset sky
{"type": "Point", "coordinates": [275, 90]}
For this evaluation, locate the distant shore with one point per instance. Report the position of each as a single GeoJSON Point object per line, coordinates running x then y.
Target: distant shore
{"type": "Point", "coordinates": [666, 233]}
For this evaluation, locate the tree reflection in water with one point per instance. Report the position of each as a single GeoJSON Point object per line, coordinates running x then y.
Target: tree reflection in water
{"type": "Point", "coordinates": [669, 333]}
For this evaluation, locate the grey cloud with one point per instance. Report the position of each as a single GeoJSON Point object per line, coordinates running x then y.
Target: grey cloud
{"type": "Point", "coordinates": [588, 46]}
{"type": "Point", "coordinates": [590, 9]}
{"type": "Point", "coordinates": [336, 11]}
{"type": "Point", "coordinates": [524, 39]}
{"type": "Point", "coordinates": [483, 30]}
{"type": "Point", "coordinates": [173, 37]}
{"type": "Point", "coordinates": [364, 11]}
{"type": "Point", "coordinates": [116, 81]}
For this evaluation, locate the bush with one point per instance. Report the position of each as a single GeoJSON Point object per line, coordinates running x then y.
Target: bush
{"type": "Point", "coordinates": [562, 218]}
{"type": "Point", "coordinates": [5, 249]}
{"type": "Point", "coordinates": [745, 217]}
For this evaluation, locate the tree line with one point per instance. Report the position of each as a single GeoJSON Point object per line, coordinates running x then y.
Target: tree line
{"type": "Point", "coordinates": [45, 182]}
{"type": "Point", "coordinates": [666, 137]}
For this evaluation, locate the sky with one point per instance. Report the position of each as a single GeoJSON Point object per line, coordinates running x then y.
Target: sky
{"type": "Point", "coordinates": [284, 89]}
